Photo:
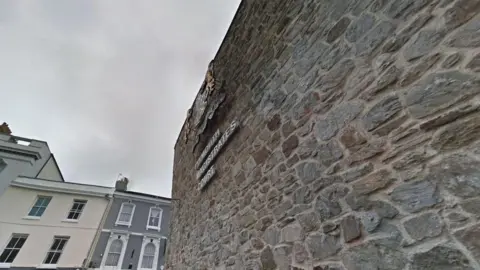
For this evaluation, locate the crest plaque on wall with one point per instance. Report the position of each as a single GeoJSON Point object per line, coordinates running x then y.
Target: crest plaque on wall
{"type": "Point", "coordinates": [206, 103]}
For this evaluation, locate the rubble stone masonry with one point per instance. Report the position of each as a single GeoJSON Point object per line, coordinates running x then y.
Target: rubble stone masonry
{"type": "Point", "coordinates": [358, 145]}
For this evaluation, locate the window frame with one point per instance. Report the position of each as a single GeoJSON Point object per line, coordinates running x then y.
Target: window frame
{"type": "Point", "coordinates": [35, 202]}
{"type": "Point", "coordinates": [79, 213]}
{"type": "Point", "coordinates": [156, 242]}
{"type": "Point", "coordinates": [8, 264]}
{"type": "Point", "coordinates": [123, 223]}
{"type": "Point", "coordinates": [159, 219]}
{"type": "Point", "coordinates": [50, 249]}
{"type": "Point", "coordinates": [114, 236]}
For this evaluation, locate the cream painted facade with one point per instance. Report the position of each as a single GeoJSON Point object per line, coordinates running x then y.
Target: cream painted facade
{"type": "Point", "coordinates": [17, 201]}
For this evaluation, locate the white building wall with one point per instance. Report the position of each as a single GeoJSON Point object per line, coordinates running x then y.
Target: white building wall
{"type": "Point", "coordinates": [15, 204]}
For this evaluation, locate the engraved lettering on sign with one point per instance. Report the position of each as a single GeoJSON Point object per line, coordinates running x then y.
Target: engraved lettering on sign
{"type": "Point", "coordinates": [207, 149]}
{"type": "Point", "coordinates": [217, 142]}
{"type": "Point", "coordinates": [208, 176]}
{"type": "Point", "coordinates": [217, 148]}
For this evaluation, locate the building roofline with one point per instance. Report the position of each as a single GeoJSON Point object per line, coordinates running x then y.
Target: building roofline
{"type": "Point", "coordinates": [56, 164]}
{"type": "Point", "coordinates": [230, 27]}
{"type": "Point", "coordinates": [142, 196]}
{"type": "Point", "coordinates": [62, 187]}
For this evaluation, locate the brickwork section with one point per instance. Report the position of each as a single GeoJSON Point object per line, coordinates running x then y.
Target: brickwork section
{"type": "Point", "coordinates": [358, 146]}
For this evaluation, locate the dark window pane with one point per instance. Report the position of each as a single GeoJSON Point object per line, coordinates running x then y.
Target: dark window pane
{"type": "Point", "coordinates": [20, 242]}
{"type": "Point", "coordinates": [12, 255]}
{"type": "Point", "coordinates": [45, 202]}
{"type": "Point", "coordinates": [3, 257]}
{"type": "Point", "coordinates": [56, 243]}
{"type": "Point", "coordinates": [49, 258]}
{"type": "Point", "coordinates": [62, 244]}
{"type": "Point", "coordinates": [55, 258]}
{"type": "Point", "coordinates": [40, 212]}
{"type": "Point", "coordinates": [33, 211]}
{"type": "Point", "coordinates": [13, 242]}
{"type": "Point", "coordinates": [70, 215]}
{"type": "Point", "coordinates": [80, 206]}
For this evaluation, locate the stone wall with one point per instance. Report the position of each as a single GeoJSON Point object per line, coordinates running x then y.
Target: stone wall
{"type": "Point", "coordinates": [357, 146]}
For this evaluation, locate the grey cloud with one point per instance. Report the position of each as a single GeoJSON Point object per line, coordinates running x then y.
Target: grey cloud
{"type": "Point", "coordinates": [108, 83]}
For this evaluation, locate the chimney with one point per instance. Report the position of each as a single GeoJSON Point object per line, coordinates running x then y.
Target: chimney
{"type": "Point", "coordinates": [121, 185]}
{"type": "Point", "coordinates": [5, 129]}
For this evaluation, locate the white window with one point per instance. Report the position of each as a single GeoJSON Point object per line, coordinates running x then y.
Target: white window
{"type": "Point", "coordinates": [126, 214]}
{"type": "Point", "coordinates": [149, 253]}
{"type": "Point", "coordinates": [154, 218]}
{"type": "Point", "coordinates": [148, 256]}
{"type": "Point", "coordinates": [40, 206]}
{"type": "Point", "coordinates": [76, 210]}
{"type": "Point", "coordinates": [12, 249]}
{"type": "Point", "coordinates": [56, 250]}
{"type": "Point", "coordinates": [114, 251]}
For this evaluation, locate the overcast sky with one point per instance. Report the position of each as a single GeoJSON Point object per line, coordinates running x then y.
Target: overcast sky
{"type": "Point", "coordinates": [107, 83]}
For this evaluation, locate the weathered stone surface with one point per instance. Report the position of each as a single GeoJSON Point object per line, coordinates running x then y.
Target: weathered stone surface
{"type": "Point", "coordinates": [373, 39]}
{"type": "Point", "coordinates": [403, 9]}
{"type": "Point", "coordinates": [360, 27]}
{"type": "Point", "coordinates": [283, 257]}
{"type": "Point", "coordinates": [471, 206]}
{"type": "Point", "coordinates": [338, 29]}
{"type": "Point", "coordinates": [271, 235]}
{"type": "Point", "coordinates": [303, 195]}
{"type": "Point", "coordinates": [381, 112]}
{"type": "Point", "coordinates": [427, 225]}
{"type": "Point", "coordinates": [425, 42]}
{"type": "Point", "coordinates": [469, 237]}
{"type": "Point", "coordinates": [439, 91]}
{"type": "Point", "coordinates": [370, 220]}
{"type": "Point", "coordinates": [416, 196]}
{"type": "Point", "coordinates": [467, 37]}
{"type": "Point", "coordinates": [281, 211]}
{"type": "Point", "coordinates": [381, 63]}
{"type": "Point", "coordinates": [322, 246]}
{"type": "Point", "coordinates": [309, 221]}
{"type": "Point", "coordinates": [372, 255]}
{"type": "Point", "coordinates": [338, 117]}
{"type": "Point", "coordinates": [474, 64]}
{"type": "Point", "coordinates": [328, 153]}
{"type": "Point", "coordinates": [350, 227]}
{"type": "Point", "coordinates": [373, 182]}
{"type": "Point", "coordinates": [457, 135]}
{"type": "Point", "coordinates": [366, 152]}
{"type": "Point", "coordinates": [410, 160]}
{"type": "Point", "coordinates": [359, 80]}
{"type": "Point", "coordinates": [292, 233]}
{"type": "Point", "coordinates": [309, 171]}
{"type": "Point", "coordinates": [334, 80]}
{"type": "Point", "coordinates": [267, 260]}
{"type": "Point", "coordinates": [357, 172]}
{"type": "Point", "coordinates": [351, 137]}
{"type": "Point", "coordinates": [390, 126]}
{"type": "Point", "coordinates": [452, 60]}
{"type": "Point", "coordinates": [417, 71]}
{"type": "Point", "coordinates": [336, 52]}
{"type": "Point", "coordinates": [456, 219]}
{"type": "Point", "coordinates": [301, 79]}
{"type": "Point", "coordinates": [289, 145]}
{"type": "Point", "coordinates": [327, 208]}
{"type": "Point", "coordinates": [385, 80]}
{"type": "Point", "coordinates": [461, 12]}
{"type": "Point", "coordinates": [441, 258]}
{"type": "Point", "coordinates": [449, 117]}
{"type": "Point", "coordinates": [300, 253]}
{"type": "Point", "coordinates": [394, 44]}
{"type": "Point", "coordinates": [460, 175]}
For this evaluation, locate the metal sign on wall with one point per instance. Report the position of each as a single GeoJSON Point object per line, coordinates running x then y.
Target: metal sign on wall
{"type": "Point", "coordinates": [204, 167]}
